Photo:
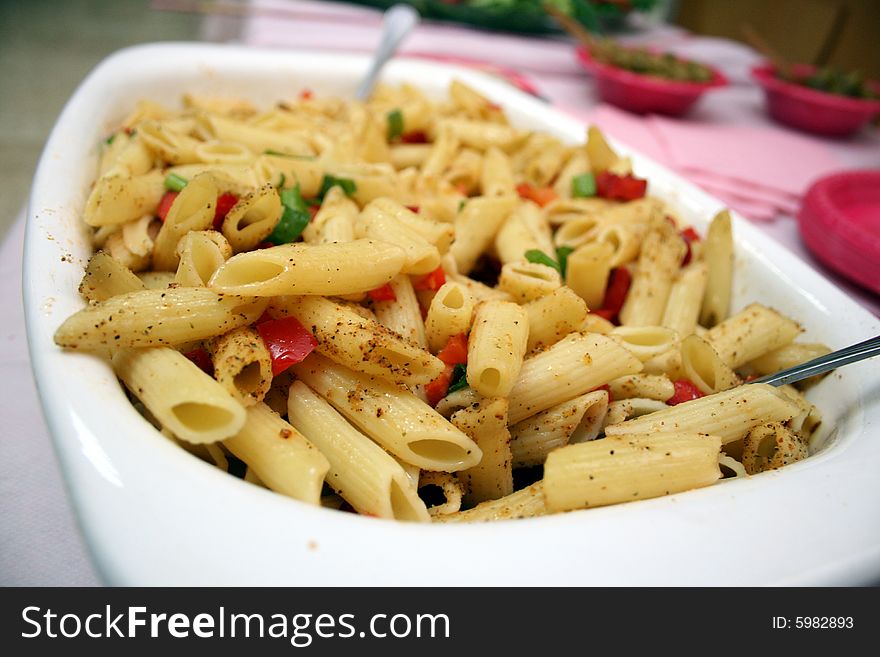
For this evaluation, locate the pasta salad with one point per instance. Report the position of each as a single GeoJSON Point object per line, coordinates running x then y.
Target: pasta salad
{"type": "Point", "coordinates": [414, 310]}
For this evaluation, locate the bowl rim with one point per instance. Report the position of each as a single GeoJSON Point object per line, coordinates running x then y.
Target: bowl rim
{"type": "Point", "coordinates": [112, 479]}
{"type": "Point", "coordinates": [765, 76]}
{"type": "Point", "coordinates": [651, 82]}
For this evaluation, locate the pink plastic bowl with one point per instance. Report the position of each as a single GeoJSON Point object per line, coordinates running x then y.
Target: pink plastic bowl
{"type": "Point", "coordinates": [840, 223]}
{"type": "Point", "coordinates": [646, 94]}
{"type": "Point", "coordinates": [810, 110]}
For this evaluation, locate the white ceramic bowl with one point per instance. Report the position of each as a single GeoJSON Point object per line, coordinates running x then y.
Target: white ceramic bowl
{"type": "Point", "coordinates": [152, 514]}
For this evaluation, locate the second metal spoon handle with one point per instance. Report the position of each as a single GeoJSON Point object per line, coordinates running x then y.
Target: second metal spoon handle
{"type": "Point", "coordinates": [397, 23]}
{"type": "Point", "coordinates": [825, 363]}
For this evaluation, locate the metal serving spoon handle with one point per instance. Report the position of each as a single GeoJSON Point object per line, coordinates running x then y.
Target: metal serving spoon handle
{"type": "Point", "coordinates": [856, 352]}
{"type": "Point", "coordinates": [396, 24]}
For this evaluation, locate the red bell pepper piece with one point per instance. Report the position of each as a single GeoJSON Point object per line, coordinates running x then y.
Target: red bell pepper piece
{"type": "Point", "coordinates": [540, 195]}
{"type": "Point", "coordinates": [384, 293]}
{"type": "Point", "coordinates": [288, 342]}
{"type": "Point", "coordinates": [620, 188]}
{"type": "Point", "coordinates": [688, 235]}
{"type": "Point", "coordinates": [414, 137]}
{"type": "Point", "coordinates": [436, 390]}
{"type": "Point", "coordinates": [615, 294]}
{"type": "Point", "coordinates": [456, 350]}
{"type": "Point", "coordinates": [685, 391]}
{"type": "Point", "coordinates": [201, 358]}
{"type": "Point", "coordinates": [165, 204]}
{"type": "Point", "coordinates": [607, 389]}
{"type": "Point", "coordinates": [306, 94]}
{"type": "Point", "coordinates": [454, 353]}
{"type": "Point", "coordinates": [224, 205]}
{"type": "Point", "coordinates": [433, 281]}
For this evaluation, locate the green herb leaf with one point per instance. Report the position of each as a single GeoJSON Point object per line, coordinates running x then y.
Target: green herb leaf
{"type": "Point", "coordinates": [541, 258]}
{"type": "Point", "coordinates": [461, 204]}
{"type": "Point", "coordinates": [395, 124]}
{"type": "Point", "coordinates": [174, 182]}
{"type": "Point", "coordinates": [329, 181]}
{"type": "Point", "coordinates": [459, 379]}
{"type": "Point", "coordinates": [562, 253]}
{"type": "Point", "coordinates": [583, 185]}
{"type": "Point", "coordinates": [294, 218]}
{"type": "Point", "coordinates": [281, 180]}
{"type": "Point", "coordinates": [110, 139]}
{"type": "Point", "coordinates": [269, 151]}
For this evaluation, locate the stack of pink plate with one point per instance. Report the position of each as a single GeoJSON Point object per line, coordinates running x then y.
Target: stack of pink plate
{"type": "Point", "coordinates": [840, 223]}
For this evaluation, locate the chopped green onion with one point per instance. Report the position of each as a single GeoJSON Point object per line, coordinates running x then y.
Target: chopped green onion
{"type": "Point", "coordinates": [329, 181]}
{"type": "Point", "coordinates": [461, 204]}
{"type": "Point", "coordinates": [459, 379]}
{"type": "Point", "coordinates": [541, 258]}
{"type": "Point", "coordinates": [562, 253]}
{"type": "Point", "coordinates": [395, 124]}
{"type": "Point", "coordinates": [281, 180]}
{"type": "Point", "coordinates": [294, 218]}
{"type": "Point", "coordinates": [110, 139]}
{"type": "Point", "coordinates": [269, 151]}
{"type": "Point", "coordinates": [174, 182]}
{"type": "Point", "coordinates": [583, 185]}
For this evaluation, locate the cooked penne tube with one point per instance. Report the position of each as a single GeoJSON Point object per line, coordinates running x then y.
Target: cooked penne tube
{"type": "Point", "coordinates": [622, 410]}
{"type": "Point", "coordinates": [396, 419]}
{"type": "Point", "coordinates": [770, 446]}
{"type": "Point", "coordinates": [525, 503]}
{"type": "Point", "coordinates": [334, 222]}
{"type": "Point", "coordinates": [496, 347]}
{"type": "Point", "coordinates": [151, 318]}
{"type": "Point", "coordinates": [476, 227]}
{"type": "Point", "coordinates": [422, 257]}
{"type": "Point", "coordinates": [645, 342]}
{"type": "Point", "coordinates": [486, 424]}
{"type": "Point", "coordinates": [181, 397]}
{"type": "Point", "coordinates": [571, 367]}
{"type": "Point", "coordinates": [327, 269]}
{"type": "Point", "coordinates": [497, 176]}
{"type": "Point", "coordinates": [661, 255]}
{"type": "Point", "coordinates": [440, 234]}
{"type": "Point", "coordinates": [481, 134]}
{"type": "Point", "coordinates": [281, 457]}
{"type": "Point", "coordinates": [627, 468]}
{"type": "Point", "coordinates": [360, 471]}
{"type": "Point", "coordinates": [573, 421]}
{"type": "Point", "coordinates": [403, 314]}
{"type": "Point", "coordinates": [787, 356]}
{"type": "Point", "coordinates": [528, 281]}
{"type": "Point", "coordinates": [106, 277]}
{"type": "Point", "coordinates": [730, 414]}
{"type": "Point", "coordinates": [451, 489]}
{"type": "Point", "coordinates": [450, 313]}
{"type": "Point", "coordinates": [587, 273]}
{"type": "Point", "coordinates": [118, 199]}
{"type": "Point", "coordinates": [524, 230]}
{"type": "Point", "coordinates": [361, 344]}
{"type": "Point", "coordinates": [649, 386]}
{"type": "Point", "coordinates": [201, 253]}
{"type": "Point", "coordinates": [578, 231]}
{"type": "Point", "coordinates": [252, 219]}
{"type": "Point", "coordinates": [242, 365]}
{"type": "Point", "coordinates": [193, 209]}
{"type": "Point", "coordinates": [718, 254]}
{"type": "Point", "coordinates": [702, 365]}
{"type": "Point", "coordinates": [554, 316]}
{"type": "Point", "coordinates": [683, 305]}
{"type": "Point", "coordinates": [751, 333]}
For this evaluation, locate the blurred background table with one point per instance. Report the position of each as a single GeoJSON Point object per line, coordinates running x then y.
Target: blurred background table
{"type": "Point", "coordinates": [47, 48]}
